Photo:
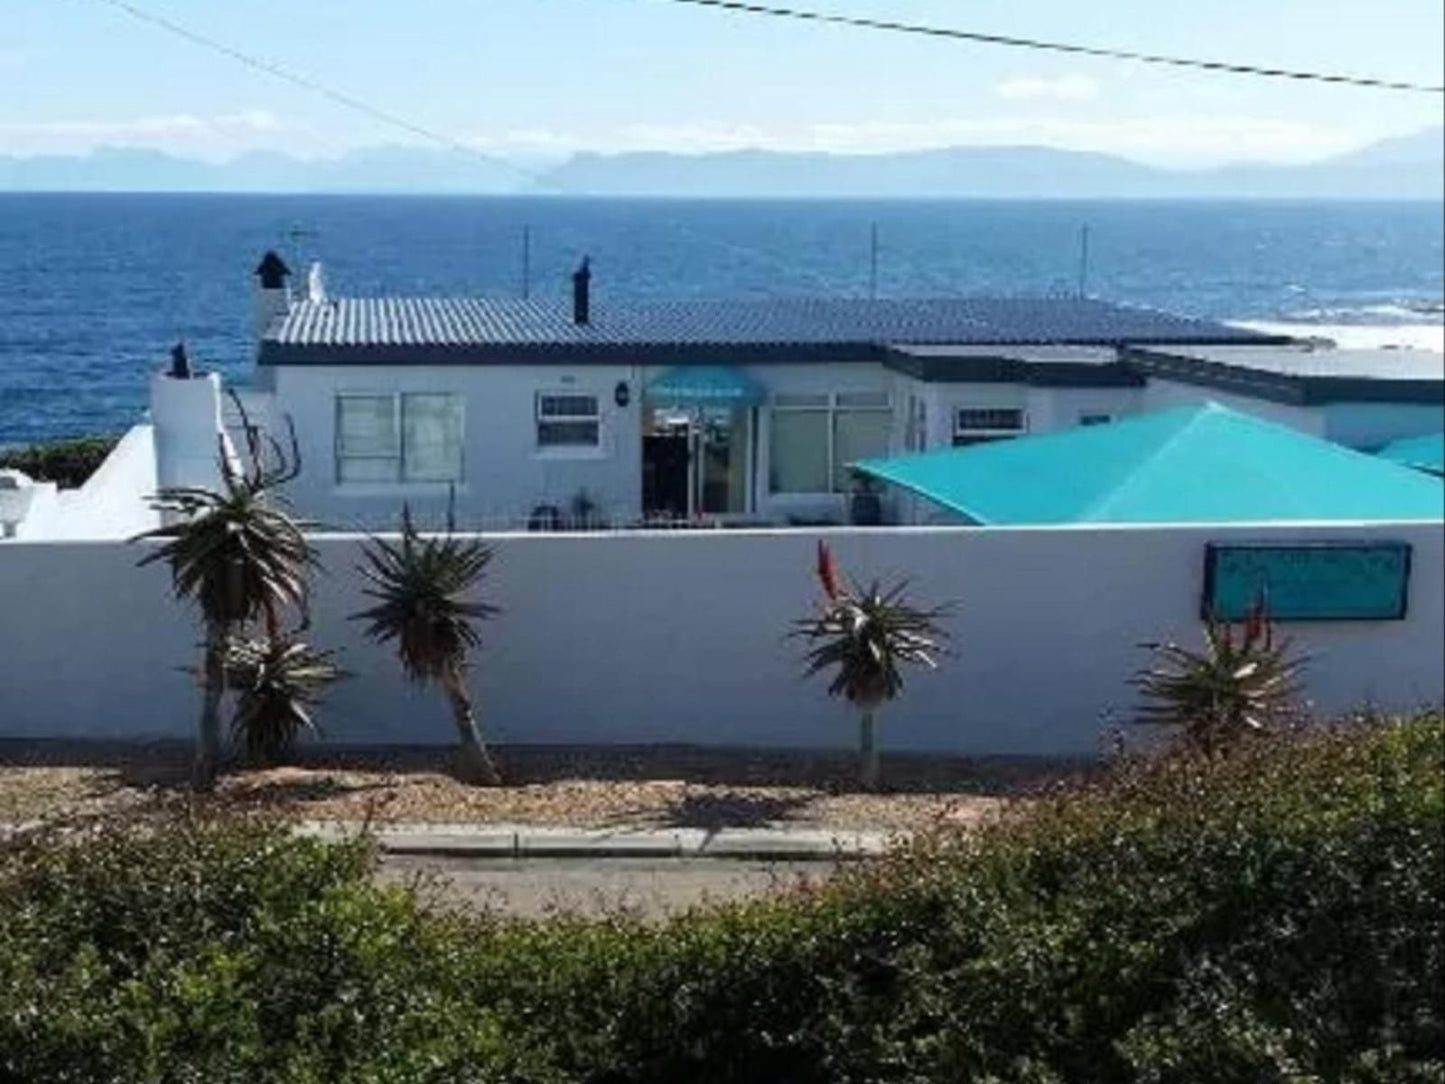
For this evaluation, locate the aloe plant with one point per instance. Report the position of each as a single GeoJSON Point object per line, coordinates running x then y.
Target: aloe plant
{"type": "Point", "coordinates": [423, 587]}
{"type": "Point", "coordinates": [277, 682]}
{"type": "Point", "coordinates": [1241, 684]}
{"type": "Point", "coordinates": [866, 637]}
{"type": "Point", "coordinates": [240, 556]}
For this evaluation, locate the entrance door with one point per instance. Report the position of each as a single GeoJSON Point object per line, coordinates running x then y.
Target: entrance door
{"type": "Point", "coordinates": [664, 472]}
{"type": "Point", "coordinates": [722, 436]}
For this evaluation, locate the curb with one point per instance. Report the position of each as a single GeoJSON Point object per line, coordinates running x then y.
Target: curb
{"type": "Point", "coordinates": [517, 842]}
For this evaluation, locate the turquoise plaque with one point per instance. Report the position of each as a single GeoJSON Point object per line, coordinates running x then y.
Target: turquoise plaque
{"type": "Point", "coordinates": [1325, 581]}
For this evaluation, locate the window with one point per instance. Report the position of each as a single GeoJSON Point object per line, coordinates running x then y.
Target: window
{"type": "Point", "coordinates": [1095, 419]}
{"type": "Point", "coordinates": [978, 425]}
{"type": "Point", "coordinates": [815, 437]}
{"type": "Point", "coordinates": [568, 420]}
{"type": "Point", "coordinates": [399, 438]}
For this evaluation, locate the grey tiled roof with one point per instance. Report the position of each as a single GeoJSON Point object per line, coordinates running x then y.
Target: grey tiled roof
{"type": "Point", "coordinates": [478, 329]}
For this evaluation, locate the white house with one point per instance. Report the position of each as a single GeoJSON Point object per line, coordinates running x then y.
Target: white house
{"type": "Point", "coordinates": [543, 413]}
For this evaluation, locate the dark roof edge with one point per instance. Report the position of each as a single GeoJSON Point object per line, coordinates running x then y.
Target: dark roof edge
{"type": "Point", "coordinates": [272, 351]}
{"type": "Point", "coordinates": [1002, 369]}
{"type": "Point", "coordinates": [1297, 389]}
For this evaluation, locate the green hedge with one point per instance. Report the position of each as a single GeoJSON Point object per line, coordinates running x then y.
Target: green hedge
{"type": "Point", "coordinates": [68, 463]}
{"type": "Point", "coordinates": [1277, 917]}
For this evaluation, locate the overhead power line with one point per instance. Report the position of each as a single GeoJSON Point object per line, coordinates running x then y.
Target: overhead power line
{"type": "Point", "coordinates": [305, 83]}
{"type": "Point", "coordinates": [401, 123]}
{"type": "Point", "coordinates": [978, 37]}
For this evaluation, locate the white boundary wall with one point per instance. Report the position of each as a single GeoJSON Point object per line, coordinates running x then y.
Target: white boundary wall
{"type": "Point", "coordinates": [679, 637]}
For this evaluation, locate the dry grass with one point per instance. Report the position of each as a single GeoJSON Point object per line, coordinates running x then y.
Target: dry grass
{"type": "Point", "coordinates": [636, 787]}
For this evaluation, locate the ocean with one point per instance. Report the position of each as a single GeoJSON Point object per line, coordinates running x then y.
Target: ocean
{"type": "Point", "coordinates": [94, 289]}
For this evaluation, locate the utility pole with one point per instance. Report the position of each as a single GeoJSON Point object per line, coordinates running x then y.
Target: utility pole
{"type": "Point", "coordinates": [526, 262]}
{"type": "Point", "coordinates": [873, 261]}
{"type": "Point", "coordinates": [1084, 260]}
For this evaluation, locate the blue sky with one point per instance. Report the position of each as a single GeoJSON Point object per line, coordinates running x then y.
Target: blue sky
{"type": "Point", "coordinates": [534, 78]}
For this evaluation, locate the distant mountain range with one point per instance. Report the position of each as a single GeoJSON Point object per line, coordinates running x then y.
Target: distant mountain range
{"type": "Point", "coordinates": [1408, 167]}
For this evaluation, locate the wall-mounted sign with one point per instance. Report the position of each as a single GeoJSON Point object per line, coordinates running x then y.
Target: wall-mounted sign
{"type": "Point", "coordinates": [1324, 581]}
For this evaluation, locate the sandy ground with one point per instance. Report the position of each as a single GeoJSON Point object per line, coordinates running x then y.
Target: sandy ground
{"type": "Point", "coordinates": [636, 787]}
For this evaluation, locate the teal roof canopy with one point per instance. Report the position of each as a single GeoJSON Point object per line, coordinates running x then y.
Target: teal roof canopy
{"type": "Point", "coordinates": [1422, 453]}
{"type": "Point", "coordinates": [1200, 464]}
{"type": "Point", "coordinates": [705, 385]}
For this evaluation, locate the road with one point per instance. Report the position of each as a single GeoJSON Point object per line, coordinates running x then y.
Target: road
{"type": "Point", "coordinates": [652, 886]}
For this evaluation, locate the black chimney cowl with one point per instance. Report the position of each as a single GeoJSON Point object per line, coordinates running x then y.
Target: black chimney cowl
{"type": "Point", "coordinates": [582, 292]}
{"type": "Point", "coordinates": [180, 362]}
{"type": "Point", "coordinates": [272, 271]}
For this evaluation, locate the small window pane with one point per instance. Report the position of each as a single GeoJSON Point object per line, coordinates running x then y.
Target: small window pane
{"type": "Point", "coordinates": [357, 469]}
{"type": "Point", "coordinates": [799, 452]}
{"type": "Point", "coordinates": [989, 418]}
{"type": "Point", "coordinates": [857, 434]}
{"type": "Point", "coordinates": [1095, 419]}
{"type": "Point", "coordinates": [432, 438]}
{"type": "Point", "coordinates": [366, 425]}
{"type": "Point", "coordinates": [567, 434]}
{"type": "Point", "coordinates": [875, 400]}
{"type": "Point", "coordinates": [787, 401]}
{"type": "Point", "coordinates": [567, 406]}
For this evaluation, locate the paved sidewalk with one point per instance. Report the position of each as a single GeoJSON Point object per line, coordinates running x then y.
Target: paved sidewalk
{"type": "Point", "coordinates": [530, 841]}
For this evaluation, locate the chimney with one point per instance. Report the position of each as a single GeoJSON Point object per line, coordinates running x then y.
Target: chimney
{"type": "Point", "coordinates": [272, 298]}
{"type": "Point", "coordinates": [582, 292]}
{"type": "Point", "coordinates": [180, 362]}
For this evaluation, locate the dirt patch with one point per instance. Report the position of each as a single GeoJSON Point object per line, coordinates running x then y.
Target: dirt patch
{"type": "Point", "coordinates": [638, 787]}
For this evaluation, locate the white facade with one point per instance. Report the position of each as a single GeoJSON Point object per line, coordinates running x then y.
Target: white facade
{"type": "Point", "coordinates": [505, 473]}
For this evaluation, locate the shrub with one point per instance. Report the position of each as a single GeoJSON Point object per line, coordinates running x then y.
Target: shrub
{"type": "Point", "coordinates": [1275, 915]}
{"type": "Point", "coordinates": [67, 463]}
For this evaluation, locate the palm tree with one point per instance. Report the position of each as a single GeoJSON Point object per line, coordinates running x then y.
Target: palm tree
{"type": "Point", "coordinates": [239, 555]}
{"type": "Point", "coordinates": [867, 636]}
{"type": "Point", "coordinates": [422, 587]}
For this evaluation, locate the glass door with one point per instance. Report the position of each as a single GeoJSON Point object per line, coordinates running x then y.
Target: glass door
{"type": "Point", "coordinates": [722, 460]}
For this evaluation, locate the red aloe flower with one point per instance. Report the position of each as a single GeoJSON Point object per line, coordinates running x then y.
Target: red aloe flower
{"type": "Point", "coordinates": [827, 571]}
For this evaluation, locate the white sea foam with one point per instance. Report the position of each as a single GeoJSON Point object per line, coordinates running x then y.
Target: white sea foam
{"type": "Point", "coordinates": [1411, 336]}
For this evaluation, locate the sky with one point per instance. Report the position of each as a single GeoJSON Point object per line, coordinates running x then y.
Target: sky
{"type": "Point", "coordinates": [537, 79]}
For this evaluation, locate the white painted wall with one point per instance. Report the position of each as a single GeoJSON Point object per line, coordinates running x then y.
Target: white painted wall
{"type": "Point", "coordinates": [1169, 394]}
{"type": "Point", "coordinates": [1372, 425]}
{"type": "Point", "coordinates": [506, 475]}
{"type": "Point", "coordinates": [113, 503]}
{"type": "Point", "coordinates": [679, 637]}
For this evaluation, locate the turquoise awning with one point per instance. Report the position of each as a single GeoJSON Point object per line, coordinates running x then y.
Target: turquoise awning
{"type": "Point", "coordinates": [705, 385]}
{"type": "Point", "coordinates": [1203, 464]}
{"type": "Point", "coordinates": [1422, 453]}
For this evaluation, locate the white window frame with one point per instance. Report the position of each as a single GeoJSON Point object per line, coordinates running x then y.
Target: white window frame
{"type": "Point", "coordinates": [398, 421]}
{"type": "Point", "coordinates": [574, 450]}
{"type": "Point", "coordinates": [983, 434]}
{"type": "Point", "coordinates": [830, 404]}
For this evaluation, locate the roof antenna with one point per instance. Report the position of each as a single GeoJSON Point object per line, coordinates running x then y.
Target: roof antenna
{"type": "Point", "coordinates": [1084, 260]}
